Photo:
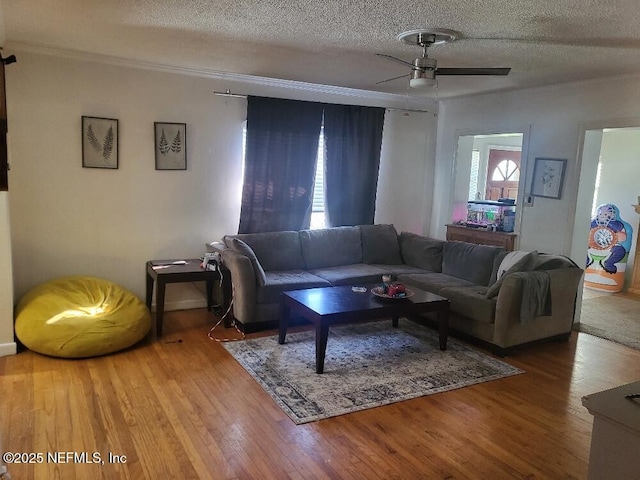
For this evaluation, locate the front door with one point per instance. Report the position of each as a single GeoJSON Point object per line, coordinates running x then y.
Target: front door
{"type": "Point", "coordinates": [503, 174]}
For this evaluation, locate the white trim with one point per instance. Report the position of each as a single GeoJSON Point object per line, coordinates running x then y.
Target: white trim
{"type": "Point", "coordinates": [548, 86]}
{"type": "Point", "coordinates": [389, 98]}
{"type": "Point", "coordinates": [295, 85]}
{"type": "Point", "coordinates": [8, 349]}
{"type": "Point", "coordinates": [508, 148]}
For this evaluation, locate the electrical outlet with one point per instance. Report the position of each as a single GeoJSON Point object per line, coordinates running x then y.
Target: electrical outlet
{"type": "Point", "coordinates": [528, 201]}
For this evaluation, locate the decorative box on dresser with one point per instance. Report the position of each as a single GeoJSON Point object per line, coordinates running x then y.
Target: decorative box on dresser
{"type": "Point", "coordinates": [461, 233]}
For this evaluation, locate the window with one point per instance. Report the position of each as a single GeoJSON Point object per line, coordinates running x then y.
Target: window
{"type": "Point", "coordinates": [506, 171]}
{"type": "Point", "coordinates": [317, 208]}
{"type": "Point", "coordinates": [474, 193]}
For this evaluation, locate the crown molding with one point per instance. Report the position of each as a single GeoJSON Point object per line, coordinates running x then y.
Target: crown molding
{"type": "Point", "coordinates": [386, 99]}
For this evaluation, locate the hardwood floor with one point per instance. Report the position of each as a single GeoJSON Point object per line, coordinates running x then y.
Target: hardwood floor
{"type": "Point", "coordinates": [187, 410]}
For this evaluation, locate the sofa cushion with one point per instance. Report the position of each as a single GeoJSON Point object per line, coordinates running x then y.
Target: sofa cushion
{"type": "Point", "coordinates": [244, 249]}
{"type": "Point", "coordinates": [469, 261]}
{"type": "Point", "coordinates": [517, 261]}
{"type": "Point", "coordinates": [496, 267]}
{"type": "Point", "coordinates": [433, 282]}
{"type": "Point", "coordinates": [421, 252]}
{"type": "Point", "coordinates": [471, 302]}
{"type": "Point", "coordinates": [274, 250]}
{"type": "Point", "coordinates": [356, 274]}
{"type": "Point", "coordinates": [401, 269]}
{"type": "Point", "coordinates": [380, 244]}
{"type": "Point", "coordinates": [331, 247]}
{"type": "Point", "coordinates": [513, 261]}
{"type": "Point", "coordinates": [282, 281]}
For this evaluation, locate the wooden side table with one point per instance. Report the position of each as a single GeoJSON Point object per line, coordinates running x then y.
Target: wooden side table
{"type": "Point", "coordinates": [163, 272]}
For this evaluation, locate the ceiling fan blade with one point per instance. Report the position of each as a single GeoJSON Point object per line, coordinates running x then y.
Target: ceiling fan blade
{"type": "Point", "coordinates": [394, 78]}
{"type": "Point", "coordinates": [473, 71]}
{"type": "Point", "coordinates": [409, 64]}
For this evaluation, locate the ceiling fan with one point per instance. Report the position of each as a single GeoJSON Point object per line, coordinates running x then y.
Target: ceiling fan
{"type": "Point", "coordinates": [424, 70]}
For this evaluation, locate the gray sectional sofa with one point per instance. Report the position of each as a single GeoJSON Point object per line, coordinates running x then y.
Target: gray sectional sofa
{"type": "Point", "coordinates": [534, 300]}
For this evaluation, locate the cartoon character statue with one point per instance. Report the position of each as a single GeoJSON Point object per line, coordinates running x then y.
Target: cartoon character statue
{"type": "Point", "coordinates": [609, 243]}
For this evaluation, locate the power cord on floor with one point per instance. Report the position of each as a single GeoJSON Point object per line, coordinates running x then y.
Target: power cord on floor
{"type": "Point", "coordinates": [233, 320]}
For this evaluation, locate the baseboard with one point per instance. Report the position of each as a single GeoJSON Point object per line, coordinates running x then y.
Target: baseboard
{"type": "Point", "coordinates": [8, 349]}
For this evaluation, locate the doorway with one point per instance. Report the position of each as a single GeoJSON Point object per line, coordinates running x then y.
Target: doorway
{"type": "Point", "coordinates": [487, 168]}
{"type": "Point", "coordinates": [610, 167]}
{"type": "Point", "coordinates": [609, 171]}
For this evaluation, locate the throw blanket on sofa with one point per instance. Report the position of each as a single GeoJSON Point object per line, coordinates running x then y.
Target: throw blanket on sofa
{"type": "Point", "coordinates": [536, 295]}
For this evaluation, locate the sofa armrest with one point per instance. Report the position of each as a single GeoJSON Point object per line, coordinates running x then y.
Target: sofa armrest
{"type": "Point", "coordinates": [564, 283]}
{"type": "Point", "coordinates": [243, 279]}
{"type": "Point", "coordinates": [211, 247]}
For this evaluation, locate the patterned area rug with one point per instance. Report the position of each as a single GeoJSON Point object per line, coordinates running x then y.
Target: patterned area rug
{"type": "Point", "coordinates": [612, 318]}
{"type": "Point", "coordinates": [367, 365]}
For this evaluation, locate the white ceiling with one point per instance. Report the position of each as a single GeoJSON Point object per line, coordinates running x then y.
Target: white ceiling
{"type": "Point", "coordinates": [334, 42]}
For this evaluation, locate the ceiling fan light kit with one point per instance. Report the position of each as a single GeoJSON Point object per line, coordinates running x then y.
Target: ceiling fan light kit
{"type": "Point", "coordinates": [424, 69]}
{"type": "Point", "coordinates": [422, 82]}
{"type": "Point", "coordinates": [423, 75]}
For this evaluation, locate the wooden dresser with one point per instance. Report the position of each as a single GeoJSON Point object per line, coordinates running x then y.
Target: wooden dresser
{"type": "Point", "coordinates": [461, 233]}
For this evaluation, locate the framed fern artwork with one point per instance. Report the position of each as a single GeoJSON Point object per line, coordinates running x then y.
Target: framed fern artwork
{"type": "Point", "coordinates": [171, 146]}
{"type": "Point", "coordinates": [99, 142]}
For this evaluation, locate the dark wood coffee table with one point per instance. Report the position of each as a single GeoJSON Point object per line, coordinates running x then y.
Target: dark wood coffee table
{"type": "Point", "coordinates": [339, 305]}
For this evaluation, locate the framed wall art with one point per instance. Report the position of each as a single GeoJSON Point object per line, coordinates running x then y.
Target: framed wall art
{"type": "Point", "coordinates": [171, 146]}
{"type": "Point", "coordinates": [548, 176]}
{"type": "Point", "coordinates": [99, 142]}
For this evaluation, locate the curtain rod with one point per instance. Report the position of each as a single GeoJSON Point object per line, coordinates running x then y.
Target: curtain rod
{"type": "Point", "coordinates": [390, 109]}
{"type": "Point", "coordinates": [229, 94]}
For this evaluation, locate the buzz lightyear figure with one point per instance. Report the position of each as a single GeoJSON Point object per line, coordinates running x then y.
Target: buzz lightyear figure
{"type": "Point", "coordinates": [609, 239]}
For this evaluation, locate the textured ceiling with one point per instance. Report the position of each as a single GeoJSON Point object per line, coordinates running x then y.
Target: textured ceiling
{"type": "Point", "coordinates": [334, 42]}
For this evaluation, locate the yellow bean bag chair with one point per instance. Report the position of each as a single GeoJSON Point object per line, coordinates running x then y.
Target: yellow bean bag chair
{"type": "Point", "coordinates": [76, 317]}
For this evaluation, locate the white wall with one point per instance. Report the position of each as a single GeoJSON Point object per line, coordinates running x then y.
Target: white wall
{"type": "Point", "coordinates": [7, 345]}
{"type": "Point", "coordinates": [405, 179]}
{"type": "Point", "coordinates": [72, 220]}
{"type": "Point", "coordinates": [556, 116]}
{"type": "Point", "coordinates": [591, 148]}
{"type": "Point", "coordinates": [461, 178]}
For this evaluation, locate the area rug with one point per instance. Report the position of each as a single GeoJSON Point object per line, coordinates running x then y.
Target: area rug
{"type": "Point", "coordinates": [367, 365]}
{"type": "Point", "coordinates": [613, 318]}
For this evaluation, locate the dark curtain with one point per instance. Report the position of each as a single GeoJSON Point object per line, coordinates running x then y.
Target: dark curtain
{"type": "Point", "coordinates": [353, 137]}
{"type": "Point", "coordinates": [281, 154]}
